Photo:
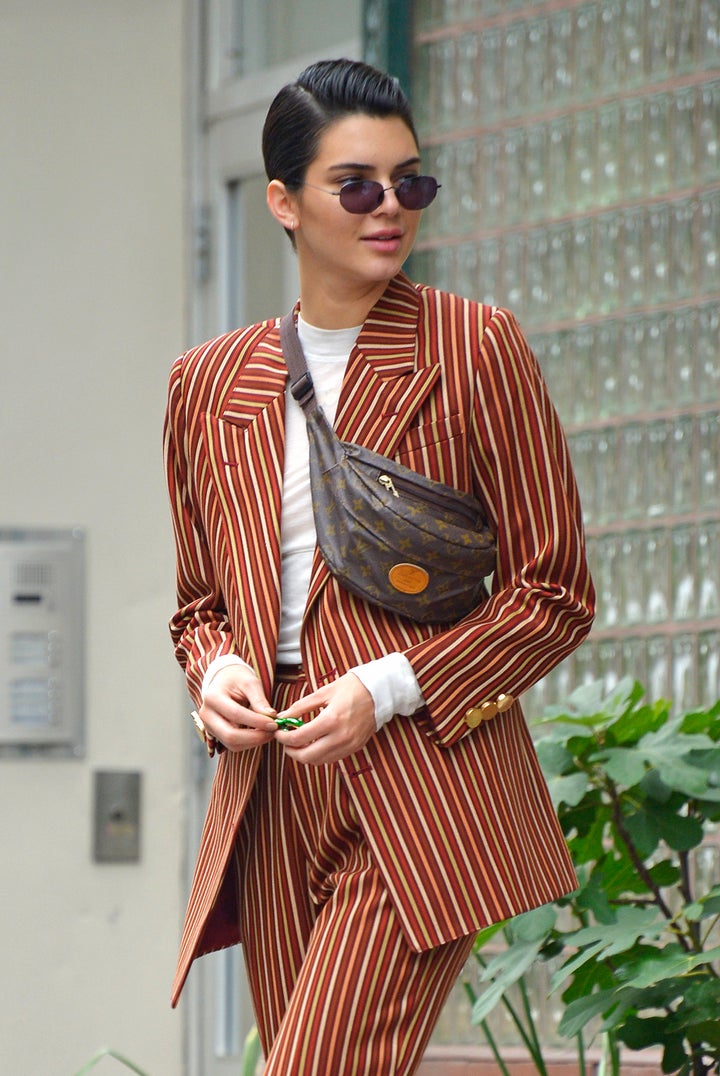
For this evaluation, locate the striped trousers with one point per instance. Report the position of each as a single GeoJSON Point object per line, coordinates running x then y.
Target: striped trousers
{"type": "Point", "coordinates": [336, 990]}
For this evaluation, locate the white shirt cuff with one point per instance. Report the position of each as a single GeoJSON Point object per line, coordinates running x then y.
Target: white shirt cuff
{"type": "Point", "coordinates": [393, 686]}
{"type": "Point", "coordinates": [216, 665]}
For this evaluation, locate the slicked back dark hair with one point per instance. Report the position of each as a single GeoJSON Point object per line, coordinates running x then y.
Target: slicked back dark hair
{"type": "Point", "coordinates": [324, 92]}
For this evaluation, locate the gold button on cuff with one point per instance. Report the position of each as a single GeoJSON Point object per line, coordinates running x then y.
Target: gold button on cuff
{"type": "Point", "coordinates": [504, 702]}
{"type": "Point", "coordinates": [488, 710]}
{"type": "Point", "coordinates": [473, 717]}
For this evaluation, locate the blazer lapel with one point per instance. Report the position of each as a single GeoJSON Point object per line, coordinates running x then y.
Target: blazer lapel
{"type": "Point", "coordinates": [387, 379]}
{"type": "Point", "coordinates": [260, 382]}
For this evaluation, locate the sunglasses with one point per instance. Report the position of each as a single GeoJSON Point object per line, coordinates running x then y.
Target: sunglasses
{"type": "Point", "coordinates": [365, 195]}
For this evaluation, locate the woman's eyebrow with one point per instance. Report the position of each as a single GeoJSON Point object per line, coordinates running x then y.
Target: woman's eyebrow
{"type": "Point", "coordinates": [355, 166]}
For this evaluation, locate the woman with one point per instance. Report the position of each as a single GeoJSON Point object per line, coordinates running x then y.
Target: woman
{"type": "Point", "coordinates": [356, 855]}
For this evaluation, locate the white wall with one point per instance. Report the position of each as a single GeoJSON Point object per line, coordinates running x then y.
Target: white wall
{"type": "Point", "coordinates": [91, 315]}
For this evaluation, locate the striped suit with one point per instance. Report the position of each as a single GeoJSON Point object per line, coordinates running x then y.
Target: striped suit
{"type": "Point", "coordinates": [456, 815]}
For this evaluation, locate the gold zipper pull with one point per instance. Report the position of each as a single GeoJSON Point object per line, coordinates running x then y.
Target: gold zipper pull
{"type": "Point", "coordinates": [386, 480]}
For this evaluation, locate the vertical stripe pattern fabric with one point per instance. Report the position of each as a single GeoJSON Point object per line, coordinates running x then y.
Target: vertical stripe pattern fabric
{"type": "Point", "coordinates": [458, 818]}
{"type": "Point", "coordinates": [335, 986]}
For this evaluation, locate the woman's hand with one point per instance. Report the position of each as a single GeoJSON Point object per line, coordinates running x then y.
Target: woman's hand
{"type": "Point", "coordinates": [235, 711]}
{"type": "Point", "coordinates": [344, 723]}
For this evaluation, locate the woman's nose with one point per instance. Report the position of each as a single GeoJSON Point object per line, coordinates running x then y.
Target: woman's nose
{"type": "Point", "coordinates": [389, 203]}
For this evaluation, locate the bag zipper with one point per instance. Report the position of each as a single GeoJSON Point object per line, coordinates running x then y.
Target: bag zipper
{"type": "Point", "coordinates": [438, 499]}
{"type": "Point", "coordinates": [386, 480]}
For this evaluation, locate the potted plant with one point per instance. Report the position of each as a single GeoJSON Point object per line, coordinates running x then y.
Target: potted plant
{"type": "Point", "coordinates": [635, 950]}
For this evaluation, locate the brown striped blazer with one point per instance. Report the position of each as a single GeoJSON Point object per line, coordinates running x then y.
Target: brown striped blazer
{"type": "Point", "coordinates": [458, 818]}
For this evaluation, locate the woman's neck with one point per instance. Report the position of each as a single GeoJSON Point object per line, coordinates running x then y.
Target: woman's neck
{"type": "Point", "coordinates": [332, 308]}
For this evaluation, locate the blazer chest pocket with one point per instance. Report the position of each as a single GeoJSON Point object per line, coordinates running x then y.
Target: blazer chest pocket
{"type": "Point", "coordinates": [240, 483]}
{"type": "Point", "coordinates": [438, 449]}
{"type": "Point", "coordinates": [233, 442]}
{"type": "Point", "coordinates": [225, 440]}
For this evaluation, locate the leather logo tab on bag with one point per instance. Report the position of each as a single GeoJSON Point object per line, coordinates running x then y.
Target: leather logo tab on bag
{"type": "Point", "coordinates": [408, 578]}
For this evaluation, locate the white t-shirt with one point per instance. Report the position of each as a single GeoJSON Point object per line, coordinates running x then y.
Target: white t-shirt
{"type": "Point", "coordinates": [326, 354]}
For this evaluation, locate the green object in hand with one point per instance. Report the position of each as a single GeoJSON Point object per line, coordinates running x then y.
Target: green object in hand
{"type": "Point", "coordinates": [286, 723]}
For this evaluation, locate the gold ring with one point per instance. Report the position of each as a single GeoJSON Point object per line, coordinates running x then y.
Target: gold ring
{"type": "Point", "coordinates": [199, 726]}
{"type": "Point", "coordinates": [203, 733]}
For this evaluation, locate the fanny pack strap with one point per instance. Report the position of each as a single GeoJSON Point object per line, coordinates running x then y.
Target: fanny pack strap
{"type": "Point", "coordinates": [301, 383]}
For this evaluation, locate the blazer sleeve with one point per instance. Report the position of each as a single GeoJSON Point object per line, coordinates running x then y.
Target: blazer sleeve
{"type": "Point", "coordinates": [542, 601]}
{"type": "Point", "coordinates": [200, 628]}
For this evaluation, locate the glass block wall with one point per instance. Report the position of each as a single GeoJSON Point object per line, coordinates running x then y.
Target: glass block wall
{"type": "Point", "coordinates": [578, 145]}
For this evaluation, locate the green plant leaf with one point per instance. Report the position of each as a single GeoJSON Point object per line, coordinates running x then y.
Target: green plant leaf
{"type": "Point", "coordinates": [651, 1000]}
{"type": "Point", "coordinates": [697, 1012]}
{"type": "Point", "coordinates": [665, 740]}
{"type": "Point", "coordinates": [644, 831]}
{"type": "Point", "coordinates": [665, 749]}
{"type": "Point", "coordinates": [680, 831]}
{"type": "Point", "coordinates": [587, 979]}
{"type": "Point", "coordinates": [589, 699]}
{"type": "Point", "coordinates": [589, 705]}
{"type": "Point", "coordinates": [704, 907]}
{"type": "Point", "coordinates": [610, 939]}
{"type": "Point", "coordinates": [505, 970]}
{"type": "Point", "coordinates": [588, 845]}
{"type": "Point", "coordinates": [635, 723]}
{"type": "Point", "coordinates": [701, 996]}
{"type": "Point", "coordinates": [669, 751]}
{"type": "Point", "coordinates": [675, 1056]}
{"type": "Point", "coordinates": [579, 1013]}
{"type": "Point", "coordinates": [654, 788]}
{"type": "Point", "coordinates": [618, 873]}
{"type": "Point", "coordinates": [569, 789]}
{"type": "Point", "coordinates": [582, 816]}
{"type": "Point", "coordinates": [665, 873]}
{"type": "Point", "coordinates": [669, 963]}
{"type": "Point", "coordinates": [625, 766]}
{"type": "Point", "coordinates": [534, 925]}
{"type": "Point", "coordinates": [507, 966]}
{"type": "Point", "coordinates": [708, 1031]}
{"type": "Point", "coordinates": [709, 761]}
{"type": "Point", "coordinates": [707, 721]}
{"type": "Point", "coordinates": [251, 1053]}
{"type": "Point", "coordinates": [487, 934]}
{"type": "Point", "coordinates": [656, 822]}
{"type": "Point", "coordinates": [560, 726]}
{"type": "Point", "coordinates": [594, 898]}
{"type": "Point", "coordinates": [639, 1033]}
{"type": "Point", "coordinates": [555, 759]}
{"type": "Point", "coordinates": [586, 700]}
{"type": "Point", "coordinates": [106, 1052]}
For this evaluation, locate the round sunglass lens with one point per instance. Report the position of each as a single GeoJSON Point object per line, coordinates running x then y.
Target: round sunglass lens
{"type": "Point", "coordinates": [417, 192]}
{"type": "Point", "coordinates": [362, 196]}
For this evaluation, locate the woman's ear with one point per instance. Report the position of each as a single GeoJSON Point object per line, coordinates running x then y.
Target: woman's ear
{"type": "Point", "coordinates": [282, 204]}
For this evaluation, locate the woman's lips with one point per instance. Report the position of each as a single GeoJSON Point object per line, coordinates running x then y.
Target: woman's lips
{"type": "Point", "coordinates": [388, 241]}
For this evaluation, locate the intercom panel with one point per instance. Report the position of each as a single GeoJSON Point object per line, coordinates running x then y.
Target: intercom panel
{"type": "Point", "coordinates": [42, 594]}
